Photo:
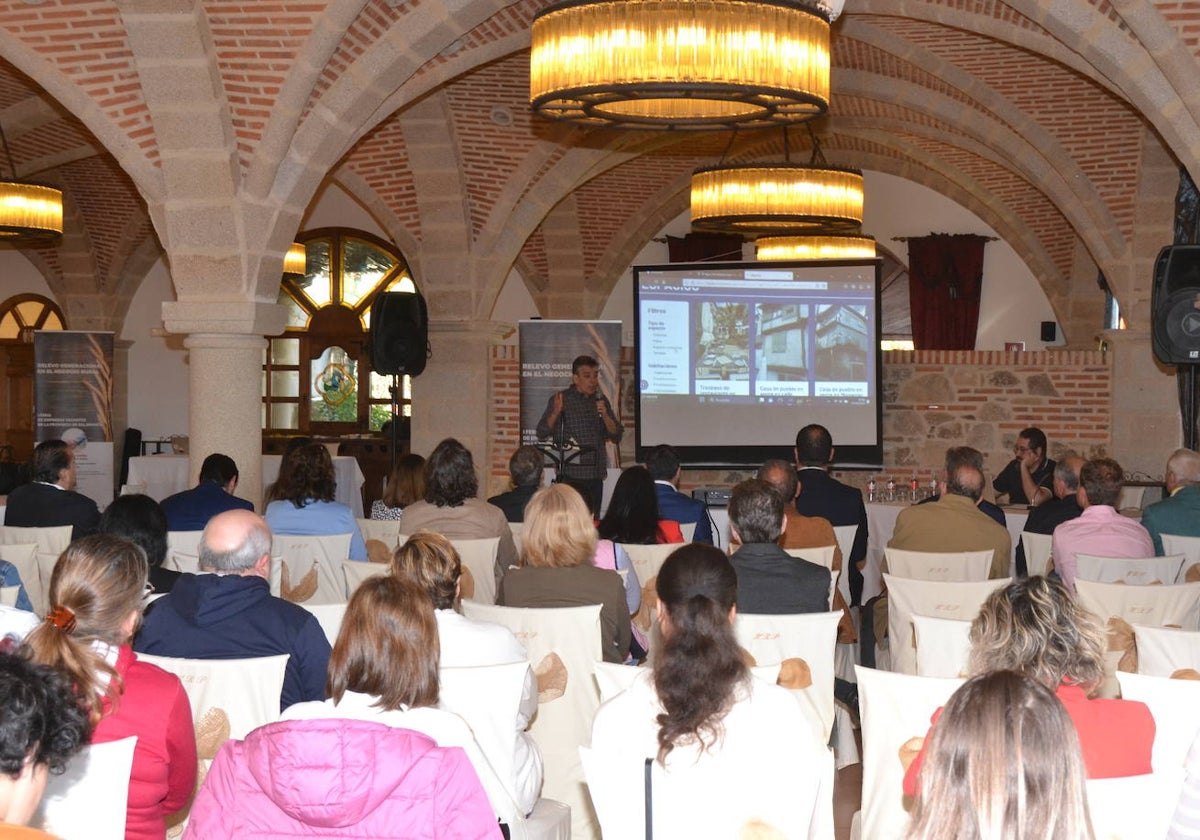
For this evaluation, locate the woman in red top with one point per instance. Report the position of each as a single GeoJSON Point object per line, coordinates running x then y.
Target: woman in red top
{"type": "Point", "coordinates": [96, 596]}
{"type": "Point", "coordinates": [632, 515]}
{"type": "Point", "coordinates": [1036, 627]}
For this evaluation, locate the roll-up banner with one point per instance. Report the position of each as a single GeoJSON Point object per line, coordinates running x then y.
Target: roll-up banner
{"type": "Point", "coordinates": [73, 402]}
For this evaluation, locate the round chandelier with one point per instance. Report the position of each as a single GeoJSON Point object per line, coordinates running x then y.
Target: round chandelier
{"type": "Point", "coordinates": [680, 64]}
{"type": "Point", "coordinates": [295, 261]}
{"type": "Point", "coordinates": [29, 211]}
{"type": "Point", "coordinates": [777, 198]}
{"type": "Point", "coordinates": [815, 247]}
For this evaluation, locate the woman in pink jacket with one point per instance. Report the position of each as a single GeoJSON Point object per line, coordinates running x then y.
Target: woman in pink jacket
{"type": "Point", "coordinates": [359, 764]}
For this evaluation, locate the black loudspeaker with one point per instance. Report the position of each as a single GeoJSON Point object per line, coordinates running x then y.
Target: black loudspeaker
{"type": "Point", "coordinates": [1175, 305]}
{"type": "Point", "coordinates": [399, 333]}
{"type": "Point", "coordinates": [1049, 331]}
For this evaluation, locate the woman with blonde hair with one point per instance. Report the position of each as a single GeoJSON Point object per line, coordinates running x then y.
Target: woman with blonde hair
{"type": "Point", "coordinates": [557, 547]}
{"type": "Point", "coordinates": [405, 485]}
{"type": "Point", "coordinates": [376, 759]}
{"type": "Point", "coordinates": [96, 596]}
{"type": "Point", "coordinates": [1002, 762]}
{"type": "Point", "coordinates": [1035, 627]}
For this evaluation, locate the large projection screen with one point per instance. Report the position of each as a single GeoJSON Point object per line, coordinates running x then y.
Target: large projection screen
{"type": "Point", "coordinates": [734, 358]}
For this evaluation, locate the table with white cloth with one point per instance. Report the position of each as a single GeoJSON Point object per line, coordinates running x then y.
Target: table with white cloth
{"type": "Point", "coordinates": [165, 475]}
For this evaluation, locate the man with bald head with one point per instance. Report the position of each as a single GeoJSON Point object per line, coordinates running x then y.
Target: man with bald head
{"type": "Point", "coordinates": [1064, 507]}
{"type": "Point", "coordinates": [228, 612]}
{"type": "Point", "coordinates": [1179, 512]}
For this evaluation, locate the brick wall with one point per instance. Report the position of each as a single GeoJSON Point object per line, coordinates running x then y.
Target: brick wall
{"type": "Point", "coordinates": [932, 400]}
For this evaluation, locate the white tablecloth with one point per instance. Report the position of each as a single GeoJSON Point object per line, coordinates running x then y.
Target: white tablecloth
{"type": "Point", "coordinates": [164, 475]}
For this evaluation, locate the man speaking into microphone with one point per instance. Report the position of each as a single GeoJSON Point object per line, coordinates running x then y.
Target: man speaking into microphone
{"type": "Point", "coordinates": [584, 414]}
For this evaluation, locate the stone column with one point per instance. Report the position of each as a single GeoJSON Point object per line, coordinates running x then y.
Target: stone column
{"type": "Point", "coordinates": [1145, 407]}
{"type": "Point", "coordinates": [452, 398]}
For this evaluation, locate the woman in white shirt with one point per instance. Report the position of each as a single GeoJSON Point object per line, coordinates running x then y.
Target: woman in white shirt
{"type": "Point", "coordinates": [731, 751]}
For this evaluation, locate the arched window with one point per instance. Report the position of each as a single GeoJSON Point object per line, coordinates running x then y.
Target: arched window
{"type": "Point", "coordinates": [20, 315]}
{"type": "Point", "coordinates": [313, 374]}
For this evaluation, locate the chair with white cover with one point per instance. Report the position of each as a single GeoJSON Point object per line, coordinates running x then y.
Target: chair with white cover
{"type": "Point", "coordinates": [479, 556]}
{"type": "Point", "coordinates": [1173, 704]}
{"type": "Point", "coordinates": [488, 699]}
{"type": "Point", "coordinates": [1189, 547]}
{"type": "Point", "coordinates": [845, 535]}
{"type": "Point", "coordinates": [88, 801]}
{"type": "Point", "coordinates": [895, 708]}
{"type": "Point", "coordinates": [646, 561]}
{"type": "Point", "coordinates": [1037, 551]}
{"type": "Point", "coordinates": [310, 567]}
{"type": "Point", "coordinates": [1141, 571]}
{"type": "Point", "coordinates": [51, 543]}
{"type": "Point", "coordinates": [943, 646]}
{"type": "Point", "coordinates": [959, 600]}
{"type": "Point", "coordinates": [518, 531]}
{"type": "Point", "coordinates": [356, 573]}
{"type": "Point", "coordinates": [1164, 650]}
{"type": "Point", "coordinates": [939, 565]}
{"type": "Point", "coordinates": [822, 556]}
{"type": "Point", "coordinates": [387, 531]}
{"type": "Point", "coordinates": [183, 551]}
{"type": "Point", "coordinates": [563, 643]}
{"type": "Point", "coordinates": [1154, 606]}
{"type": "Point", "coordinates": [1134, 807]}
{"type": "Point", "coordinates": [23, 556]}
{"type": "Point", "coordinates": [8, 595]}
{"type": "Point", "coordinates": [329, 616]}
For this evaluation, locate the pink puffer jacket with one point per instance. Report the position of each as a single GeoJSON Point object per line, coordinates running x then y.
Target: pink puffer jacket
{"type": "Point", "coordinates": [340, 778]}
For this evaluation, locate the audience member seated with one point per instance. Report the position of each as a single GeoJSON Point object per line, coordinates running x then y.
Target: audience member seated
{"type": "Point", "coordinates": [824, 496]}
{"type": "Point", "coordinates": [305, 506]}
{"type": "Point", "coordinates": [959, 455]}
{"type": "Point", "coordinates": [557, 548]}
{"type": "Point", "coordinates": [799, 531]}
{"type": "Point", "coordinates": [430, 561]}
{"type": "Point", "coordinates": [1047, 516]}
{"type": "Point", "coordinates": [769, 580]}
{"type": "Point", "coordinates": [1003, 761]}
{"type": "Point", "coordinates": [139, 519]}
{"type": "Point", "coordinates": [701, 715]}
{"type": "Point", "coordinates": [405, 485]}
{"type": "Point", "coordinates": [1099, 530]}
{"type": "Point", "coordinates": [525, 472]}
{"type": "Point", "coordinates": [954, 523]}
{"type": "Point", "coordinates": [1179, 512]}
{"type": "Point", "coordinates": [50, 499]}
{"type": "Point", "coordinates": [633, 515]}
{"type": "Point", "coordinates": [227, 611]}
{"type": "Point", "coordinates": [190, 510]}
{"type": "Point", "coordinates": [375, 759]}
{"type": "Point", "coordinates": [96, 595]}
{"type": "Point", "coordinates": [42, 726]}
{"type": "Point", "coordinates": [295, 444]}
{"type": "Point", "coordinates": [1028, 477]}
{"type": "Point", "coordinates": [1034, 626]}
{"type": "Point", "coordinates": [663, 466]}
{"type": "Point", "coordinates": [450, 506]}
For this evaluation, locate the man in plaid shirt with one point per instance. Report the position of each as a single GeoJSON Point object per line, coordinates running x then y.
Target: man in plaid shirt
{"type": "Point", "coordinates": [584, 414]}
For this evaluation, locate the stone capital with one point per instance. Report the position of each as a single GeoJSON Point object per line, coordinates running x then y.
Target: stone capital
{"type": "Point", "coordinates": [236, 317]}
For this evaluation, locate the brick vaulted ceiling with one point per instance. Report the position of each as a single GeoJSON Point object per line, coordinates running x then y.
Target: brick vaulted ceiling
{"type": "Point", "coordinates": [1035, 114]}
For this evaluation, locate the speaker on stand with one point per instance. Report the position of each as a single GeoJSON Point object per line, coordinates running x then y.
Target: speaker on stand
{"type": "Point", "coordinates": [1175, 323]}
{"type": "Point", "coordinates": [399, 343]}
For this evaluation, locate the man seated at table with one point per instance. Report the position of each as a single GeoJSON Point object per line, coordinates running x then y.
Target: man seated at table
{"type": "Point", "coordinates": [50, 499]}
{"type": "Point", "coordinates": [1099, 531]}
{"type": "Point", "coordinates": [1028, 478]}
{"type": "Point", "coordinates": [663, 464]}
{"type": "Point", "coordinates": [1064, 507]}
{"type": "Point", "coordinates": [966, 455]}
{"type": "Point", "coordinates": [228, 612]}
{"type": "Point", "coordinates": [1179, 512]}
{"type": "Point", "coordinates": [190, 510]}
{"type": "Point", "coordinates": [525, 470]}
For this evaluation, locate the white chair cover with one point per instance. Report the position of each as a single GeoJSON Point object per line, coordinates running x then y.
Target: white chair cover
{"type": "Point", "coordinates": [646, 561]}
{"type": "Point", "coordinates": [845, 535]}
{"type": "Point", "coordinates": [88, 801]}
{"type": "Point", "coordinates": [1037, 551]}
{"type": "Point", "coordinates": [50, 542]}
{"type": "Point", "coordinates": [822, 556]}
{"type": "Point", "coordinates": [1134, 807]}
{"type": "Point", "coordinates": [480, 557]}
{"type": "Point", "coordinates": [939, 565]}
{"type": "Point", "coordinates": [688, 529]}
{"type": "Point", "coordinates": [1162, 650]}
{"type": "Point", "coordinates": [518, 530]}
{"type": "Point", "coordinates": [329, 616]}
{"type": "Point", "coordinates": [1173, 703]}
{"type": "Point", "coordinates": [387, 531]}
{"type": "Point", "coordinates": [1141, 571]}
{"type": "Point", "coordinates": [183, 551]}
{"type": "Point", "coordinates": [1154, 606]}
{"type": "Point", "coordinates": [310, 567]}
{"type": "Point", "coordinates": [943, 645]}
{"type": "Point", "coordinates": [356, 572]}
{"type": "Point", "coordinates": [564, 646]}
{"type": "Point", "coordinates": [1189, 547]}
{"type": "Point", "coordinates": [895, 708]}
{"type": "Point", "coordinates": [959, 600]}
{"type": "Point", "coordinates": [24, 557]}
{"type": "Point", "coordinates": [612, 678]}
{"type": "Point", "coordinates": [8, 595]}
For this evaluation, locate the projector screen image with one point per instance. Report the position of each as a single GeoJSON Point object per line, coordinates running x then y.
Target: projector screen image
{"type": "Point", "coordinates": [734, 358]}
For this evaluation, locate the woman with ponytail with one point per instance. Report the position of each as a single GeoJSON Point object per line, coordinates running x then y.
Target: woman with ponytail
{"type": "Point", "coordinates": [737, 753]}
{"type": "Point", "coordinates": [96, 597]}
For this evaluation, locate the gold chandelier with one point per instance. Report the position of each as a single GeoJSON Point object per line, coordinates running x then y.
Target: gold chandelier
{"type": "Point", "coordinates": [295, 261]}
{"type": "Point", "coordinates": [27, 211]}
{"type": "Point", "coordinates": [680, 64]}
{"type": "Point", "coordinates": [815, 247]}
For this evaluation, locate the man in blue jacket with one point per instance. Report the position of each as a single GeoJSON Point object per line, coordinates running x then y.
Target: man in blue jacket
{"type": "Point", "coordinates": [190, 510]}
{"type": "Point", "coordinates": [228, 612]}
{"type": "Point", "coordinates": [663, 465]}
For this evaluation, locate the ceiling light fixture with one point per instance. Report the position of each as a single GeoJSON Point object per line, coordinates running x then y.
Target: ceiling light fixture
{"type": "Point", "coordinates": [295, 261]}
{"type": "Point", "coordinates": [28, 211]}
{"type": "Point", "coordinates": [680, 64]}
{"type": "Point", "coordinates": [816, 247]}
